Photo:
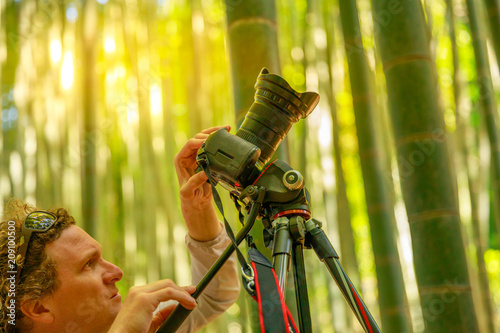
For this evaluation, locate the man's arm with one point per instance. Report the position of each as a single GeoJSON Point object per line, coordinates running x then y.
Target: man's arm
{"type": "Point", "coordinates": [221, 292]}
{"type": "Point", "coordinates": [206, 239]}
{"type": "Point", "coordinates": [195, 193]}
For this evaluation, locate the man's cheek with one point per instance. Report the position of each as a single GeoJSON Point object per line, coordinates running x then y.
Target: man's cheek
{"type": "Point", "coordinates": [88, 309]}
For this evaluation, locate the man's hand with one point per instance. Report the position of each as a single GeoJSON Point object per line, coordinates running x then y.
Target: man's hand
{"type": "Point", "coordinates": [195, 193]}
{"type": "Point", "coordinates": [136, 314]}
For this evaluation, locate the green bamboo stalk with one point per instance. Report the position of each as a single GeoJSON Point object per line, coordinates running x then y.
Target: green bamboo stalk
{"type": "Point", "coordinates": [349, 259]}
{"type": "Point", "coordinates": [10, 113]}
{"type": "Point", "coordinates": [253, 44]}
{"type": "Point", "coordinates": [88, 134]}
{"type": "Point", "coordinates": [118, 158]}
{"type": "Point", "coordinates": [193, 78]}
{"type": "Point", "coordinates": [346, 235]}
{"type": "Point", "coordinates": [64, 125]}
{"type": "Point", "coordinates": [487, 102]}
{"type": "Point", "coordinates": [427, 178]}
{"type": "Point", "coordinates": [429, 25]}
{"type": "Point", "coordinates": [493, 9]}
{"type": "Point", "coordinates": [462, 134]}
{"type": "Point", "coordinates": [171, 180]}
{"type": "Point", "coordinates": [391, 291]}
{"type": "Point", "coordinates": [306, 43]}
{"type": "Point", "coordinates": [114, 180]}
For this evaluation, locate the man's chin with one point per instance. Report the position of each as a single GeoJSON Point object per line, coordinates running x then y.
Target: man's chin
{"type": "Point", "coordinates": [116, 308]}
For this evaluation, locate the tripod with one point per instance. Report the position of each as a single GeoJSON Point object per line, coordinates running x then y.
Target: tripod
{"type": "Point", "coordinates": [280, 198]}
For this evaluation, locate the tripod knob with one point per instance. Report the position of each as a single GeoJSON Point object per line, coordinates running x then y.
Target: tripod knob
{"type": "Point", "coordinates": [293, 180]}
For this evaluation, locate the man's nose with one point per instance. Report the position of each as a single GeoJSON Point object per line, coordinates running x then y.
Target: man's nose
{"type": "Point", "coordinates": [113, 273]}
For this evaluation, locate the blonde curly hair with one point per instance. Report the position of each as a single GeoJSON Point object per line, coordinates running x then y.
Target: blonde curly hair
{"type": "Point", "coordinates": [39, 276]}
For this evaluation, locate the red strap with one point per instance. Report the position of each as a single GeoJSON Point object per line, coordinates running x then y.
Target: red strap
{"type": "Point", "coordinates": [274, 316]}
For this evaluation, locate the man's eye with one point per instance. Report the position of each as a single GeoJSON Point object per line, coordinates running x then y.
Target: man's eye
{"type": "Point", "coordinates": [88, 264]}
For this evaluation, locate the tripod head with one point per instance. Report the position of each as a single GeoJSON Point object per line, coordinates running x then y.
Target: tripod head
{"type": "Point", "coordinates": [286, 196]}
{"type": "Point", "coordinates": [285, 193]}
{"type": "Point", "coordinates": [231, 161]}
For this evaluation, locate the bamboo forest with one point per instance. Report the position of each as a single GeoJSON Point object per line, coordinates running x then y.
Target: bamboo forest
{"type": "Point", "coordinates": [401, 156]}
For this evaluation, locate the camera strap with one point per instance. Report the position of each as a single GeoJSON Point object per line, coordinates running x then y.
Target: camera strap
{"type": "Point", "coordinates": [274, 315]}
{"type": "Point", "coordinates": [246, 268]}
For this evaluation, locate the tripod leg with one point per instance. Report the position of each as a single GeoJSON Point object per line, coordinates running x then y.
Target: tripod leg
{"type": "Point", "coordinates": [301, 289]}
{"type": "Point", "coordinates": [316, 237]}
{"type": "Point", "coordinates": [282, 250]}
{"type": "Point", "coordinates": [282, 254]}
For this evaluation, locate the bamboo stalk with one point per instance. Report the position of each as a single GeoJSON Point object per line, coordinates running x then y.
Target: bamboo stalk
{"type": "Point", "coordinates": [253, 44]}
{"type": "Point", "coordinates": [88, 134]}
{"type": "Point", "coordinates": [345, 231]}
{"type": "Point", "coordinates": [427, 179]}
{"type": "Point", "coordinates": [392, 296]}
{"type": "Point", "coordinates": [493, 11]}
{"type": "Point", "coordinates": [488, 104]}
{"type": "Point", "coordinates": [462, 134]}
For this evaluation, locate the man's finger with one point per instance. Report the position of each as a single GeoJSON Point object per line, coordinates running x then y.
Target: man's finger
{"type": "Point", "coordinates": [157, 285]}
{"type": "Point", "coordinates": [195, 182]}
{"type": "Point", "coordinates": [190, 148]}
{"type": "Point", "coordinates": [189, 289]}
{"type": "Point", "coordinates": [201, 136]}
{"type": "Point", "coordinates": [161, 316]}
{"type": "Point", "coordinates": [213, 129]}
{"type": "Point", "coordinates": [183, 297]}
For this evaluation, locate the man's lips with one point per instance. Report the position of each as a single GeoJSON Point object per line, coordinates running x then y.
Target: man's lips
{"type": "Point", "coordinates": [116, 294]}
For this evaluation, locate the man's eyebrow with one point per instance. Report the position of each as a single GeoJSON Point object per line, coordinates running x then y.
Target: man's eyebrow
{"type": "Point", "coordinates": [95, 251]}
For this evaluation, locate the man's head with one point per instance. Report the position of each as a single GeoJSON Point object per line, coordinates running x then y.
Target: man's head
{"type": "Point", "coordinates": [65, 286]}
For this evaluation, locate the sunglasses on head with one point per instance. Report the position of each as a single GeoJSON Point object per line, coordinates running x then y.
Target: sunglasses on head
{"type": "Point", "coordinates": [35, 222]}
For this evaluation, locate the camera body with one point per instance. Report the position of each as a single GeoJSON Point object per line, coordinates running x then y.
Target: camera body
{"type": "Point", "coordinates": [236, 161]}
{"type": "Point", "coordinates": [230, 159]}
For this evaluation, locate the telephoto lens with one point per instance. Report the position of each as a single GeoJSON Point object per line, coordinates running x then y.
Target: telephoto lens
{"type": "Point", "coordinates": [276, 107]}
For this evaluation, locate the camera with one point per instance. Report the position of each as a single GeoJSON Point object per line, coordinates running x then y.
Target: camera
{"type": "Point", "coordinates": [236, 161]}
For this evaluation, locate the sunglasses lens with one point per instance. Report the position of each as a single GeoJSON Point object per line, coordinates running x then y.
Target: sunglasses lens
{"type": "Point", "coordinates": [40, 221]}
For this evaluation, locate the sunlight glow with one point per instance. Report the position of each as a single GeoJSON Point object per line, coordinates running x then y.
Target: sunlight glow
{"type": "Point", "coordinates": [55, 50]}
{"type": "Point", "coordinates": [325, 129]}
{"type": "Point", "coordinates": [297, 53]}
{"type": "Point", "coordinates": [16, 169]}
{"type": "Point", "coordinates": [320, 38]}
{"type": "Point", "coordinates": [109, 45]}
{"type": "Point", "coordinates": [67, 71]}
{"type": "Point", "coordinates": [198, 23]}
{"type": "Point", "coordinates": [113, 75]}
{"type": "Point", "coordinates": [155, 99]}
{"type": "Point", "coordinates": [132, 114]}
{"type": "Point", "coordinates": [234, 327]}
{"type": "Point", "coordinates": [72, 14]}
{"type": "Point", "coordinates": [120, 71]}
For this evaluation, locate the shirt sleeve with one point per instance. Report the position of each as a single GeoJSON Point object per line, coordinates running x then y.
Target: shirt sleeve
{"type": "Point", "coordinates": [221, 292]}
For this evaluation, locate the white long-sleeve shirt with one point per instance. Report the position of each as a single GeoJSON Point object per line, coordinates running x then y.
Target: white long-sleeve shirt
{"type": "Point", "coordinates": [221, 292]}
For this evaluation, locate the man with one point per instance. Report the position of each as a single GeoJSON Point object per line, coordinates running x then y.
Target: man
{"type": "Point", "coordinates": [65, 285]}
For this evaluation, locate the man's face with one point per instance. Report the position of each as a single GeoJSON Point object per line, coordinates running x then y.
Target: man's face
{"type": "Point", "coordinates": [87, 298]}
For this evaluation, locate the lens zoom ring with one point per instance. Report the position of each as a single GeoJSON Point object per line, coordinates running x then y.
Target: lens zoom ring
{"type": "Point", "coordinates": [276, 99]}
{"type": "Point", "coordinates": [264, 146]}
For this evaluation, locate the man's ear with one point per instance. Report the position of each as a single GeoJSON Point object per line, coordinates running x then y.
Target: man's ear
{"type": "Point", "coordinates": [37, 311]}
